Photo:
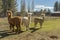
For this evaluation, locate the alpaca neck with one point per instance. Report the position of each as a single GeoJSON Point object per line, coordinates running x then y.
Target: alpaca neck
{"type": "Point", "coordinates": [9, 17]}
{"type": "Point", "coordinates": [29, 18]}
{"type": "Point", "coordinates": [43, 17]}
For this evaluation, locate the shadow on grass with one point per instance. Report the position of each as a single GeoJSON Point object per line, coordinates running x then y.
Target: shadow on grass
{"type": "Point", "coordinates": [34, 29]}
{"type": "Point", "coordinates": [6, 33]}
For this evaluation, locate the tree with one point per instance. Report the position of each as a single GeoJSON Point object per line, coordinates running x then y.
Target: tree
{"type": "Point", "coordinates": [56, 6]}
{"type": "Point", "coordinates": [41, 11]}
{"type": "Point", "coordinates": [12, 5]}
{"type": "Point", "coordinates": [59, 6]}
{"type": "Point", "coordinates": [48, 12]}
{"type": "Point", "coordinates": [22, 7]}
{"type": "Point", "coordinates": [9, 4]}
{"type": "Point", "coordinates": [1, 6]}
{"type": "Point", "coordinates": [4, 7]}
{"type": "Point", "coordinates": [1, 10]}
{"type": "Point", "coordinates": [28, 5]}
{"type": "Point", "coordinates": [32, 5]}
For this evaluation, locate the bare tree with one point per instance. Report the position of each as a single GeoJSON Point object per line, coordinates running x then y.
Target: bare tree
{"type": "Point", "coordinates": [23, 7]}
{"type": "Point", "coordinates": [32, 6]}
{"type": "Point", "coordinates": [28, 5]}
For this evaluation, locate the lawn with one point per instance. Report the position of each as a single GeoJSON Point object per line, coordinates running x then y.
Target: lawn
{"type": "Point", "coordinates": [50, 27]}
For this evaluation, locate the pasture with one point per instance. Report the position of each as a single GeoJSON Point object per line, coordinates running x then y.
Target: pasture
{"type": "Point", "coordinates": [49, 31]}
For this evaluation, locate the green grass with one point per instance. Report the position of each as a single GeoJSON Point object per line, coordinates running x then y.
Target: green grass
{"type": "Point", "coordinates": [49, 28]}
{"type": "Point", "coordinates": [48, 25]}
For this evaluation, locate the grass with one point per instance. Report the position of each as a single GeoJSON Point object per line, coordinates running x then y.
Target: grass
{"type": "Point", "coordinates": [48, 25]}
{"type": "Point", "coordinates": [51, 25]}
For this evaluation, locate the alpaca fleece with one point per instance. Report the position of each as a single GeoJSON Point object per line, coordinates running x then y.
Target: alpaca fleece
{"type": "Point", "coordinates": [14, 21]}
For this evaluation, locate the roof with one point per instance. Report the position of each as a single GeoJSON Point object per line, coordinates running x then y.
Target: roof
{"type": "Point", "coordinates": [30, 13]}
{"type": "Point", "coordinates": [56, 12]}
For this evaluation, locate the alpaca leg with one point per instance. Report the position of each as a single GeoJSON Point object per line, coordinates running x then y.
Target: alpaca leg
{"type": "Point", "coordinates": [41, 24]}
{"type": "Point", "coordinates": [26, 23]}
{"type": "Point", "coordinates": [27, 27]}
{"type": "Point", "coordinates": [35, 24]}
{"type": "Point", "coordinates": [10, 27]}
{"type": "Point", "coordinates": [13, 28]}
{"type": "Point", "coordinates": [19, 28]}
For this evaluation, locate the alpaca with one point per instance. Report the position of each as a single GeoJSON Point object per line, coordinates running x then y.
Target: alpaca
{"type": "Point", "coordinates": [14, 21]}
{"type": "Point", "coordinates": [40, 20]}
{"type": "Point", "coordinates": [26, 22]}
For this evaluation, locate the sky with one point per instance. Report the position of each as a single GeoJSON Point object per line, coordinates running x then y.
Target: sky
{"type": "Point", "coordinates": [39, 4]}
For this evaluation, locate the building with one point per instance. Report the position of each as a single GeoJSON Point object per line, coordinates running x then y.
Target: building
{"type": "Point", "coordinates": [57, 13]}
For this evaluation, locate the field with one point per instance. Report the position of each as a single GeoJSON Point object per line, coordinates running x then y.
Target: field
{"type": "Point", "coordinates": [49, 31]}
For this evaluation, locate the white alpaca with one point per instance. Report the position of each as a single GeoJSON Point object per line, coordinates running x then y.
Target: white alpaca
{"type": "Point", "coordinates": [25, 22]}
{"type": "Point", "coordinates": [39, 20]}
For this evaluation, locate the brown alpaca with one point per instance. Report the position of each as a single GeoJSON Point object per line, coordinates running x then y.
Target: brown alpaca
{"type": "Point", "coordinates": [15, 21]}
{"type": "Point", "coordinates": [40, 20]}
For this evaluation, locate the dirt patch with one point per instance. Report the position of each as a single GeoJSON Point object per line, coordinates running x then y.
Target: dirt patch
{"type": "Point", "coordinates": [53, 37]}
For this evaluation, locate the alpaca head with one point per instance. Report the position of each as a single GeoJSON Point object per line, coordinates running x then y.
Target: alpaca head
{"type": "Point", "coordinates": [9, 13]}
{"type": "Point", "coordinates": [43, 13]}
